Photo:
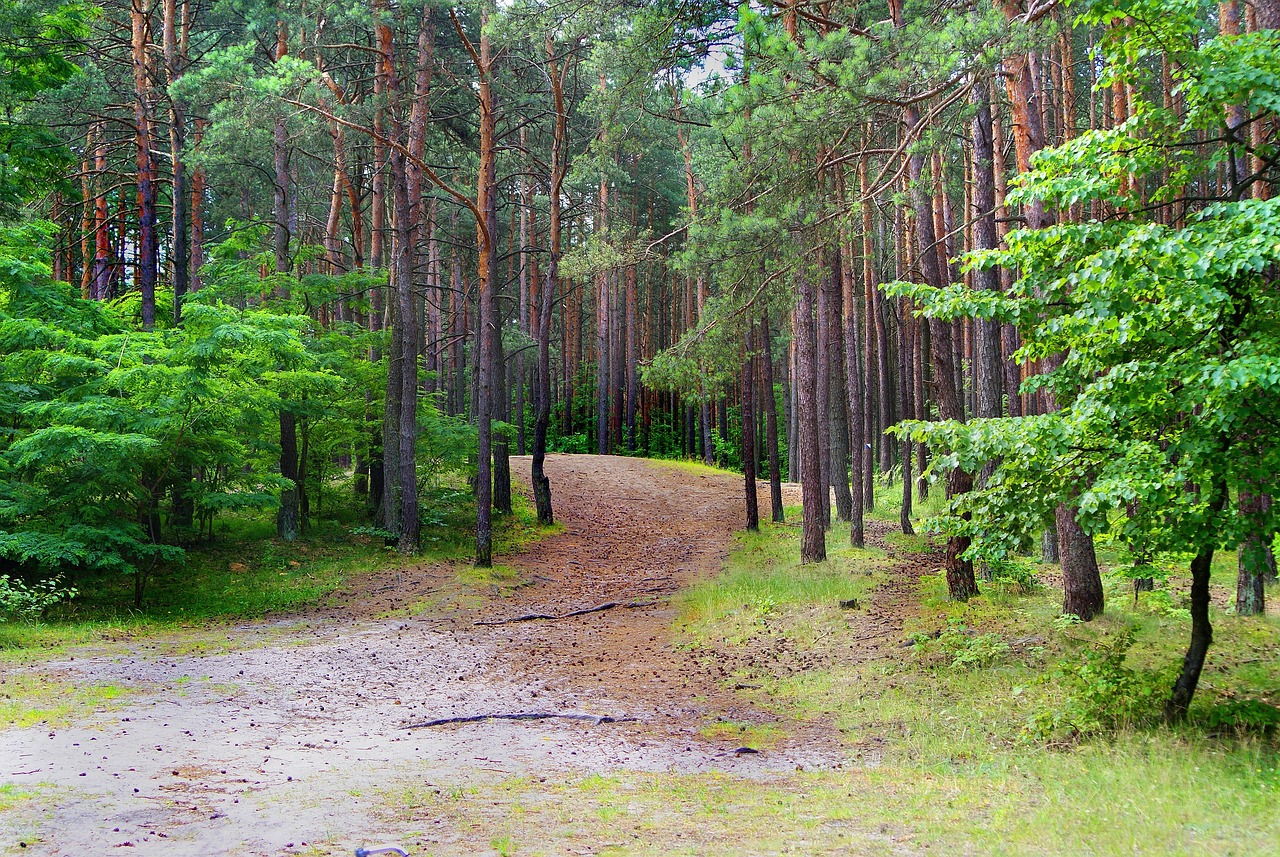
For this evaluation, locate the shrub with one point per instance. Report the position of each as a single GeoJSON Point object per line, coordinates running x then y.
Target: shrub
{"type": "Point", "coordinates": [1097, 693]}
{"type": "Point", "coordinates": [20, 602]}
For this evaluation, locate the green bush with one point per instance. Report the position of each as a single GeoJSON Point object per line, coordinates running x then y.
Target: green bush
{"type": "Point", "coordinates": [962, 648]}
{"type": "Point", "coordinates": [1097, 693]}
{"type": "Point", "coordinates": [23, 603]}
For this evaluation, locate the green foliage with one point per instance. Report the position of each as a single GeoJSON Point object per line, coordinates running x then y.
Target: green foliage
{"type": "Point", "coordinates": [23, 603]}
{"type": "Point", "coordinates": [1171, 348]}
{"type": "Point", "coordinates": [38, 35]}
{"type": "Point", "coordinates": [1244, 716]}
{"type": "Point", "coordinates": [961, 647]}
{"type": "Point", "coordinates": [123, 446]}
{"type": "Point", "coordinates": [1097, 692]}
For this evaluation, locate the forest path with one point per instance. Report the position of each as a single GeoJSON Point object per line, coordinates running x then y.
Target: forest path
{"type": "Point", "coordinates": [289, 736]}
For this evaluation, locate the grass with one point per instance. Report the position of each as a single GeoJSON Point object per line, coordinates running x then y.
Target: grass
{"type": "Point", "coordinates": [247, 573]}
{"type": "Point", "coordinates": [887, 494]}
{"type": "Point", "coordinates": [758, 736]}
{"type": "Point", "coordinates": [689, 465]}
{"type": "Point", "coordinates": [764, 586]}
{"type": "Point", "coordinates": [938, 756]}
{"type": "Point", "coordinates": [944, 725]}
{"type": "Point", "coordinates": [1131, 798]}
{"type": "Point", "coordinates": [21, 807]}
{"type": "Point", "coordinates": [28, 698]}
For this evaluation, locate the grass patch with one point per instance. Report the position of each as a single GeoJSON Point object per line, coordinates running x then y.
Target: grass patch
{"type": "Point", "coordinates": [1133, 798]}
{"type": "Point", "coordinates": [28, 699]}
{"type": "Point", "coordinates": [887, 494]}
{"type": "Point", "coordinates": [13, 796]}
{"type": "Point", "coordinates": [689, 465]}
{"type": "Point", "coordinates": [944, 719]}
{"type": "Point", "coordinates": [758, 736]}
{"type": "Point", "coordinates": [764, 584]}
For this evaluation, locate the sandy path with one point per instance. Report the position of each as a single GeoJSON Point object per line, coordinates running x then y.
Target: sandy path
{"type": "Point", "coordinates": [283, 746]}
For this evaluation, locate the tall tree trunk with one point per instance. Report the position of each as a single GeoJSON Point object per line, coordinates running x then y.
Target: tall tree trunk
{"type": "Point", "coordinates": [987, 367]}
{"type": "Point", "coordinates": [632, 323]}
{"type": "Point", "coordinates": [906, 351]}
{"type": "Point", "coordinates": [822, 389]}
{"type": "Point", "coordinates": [390, 513]}
{"type": "Point", "coordinates": [541, 485]}
{"type": "Point", "coordinates": [486, 229]}
{"type": "Point", "coordinates": [199, 182]}
{"type": "Point", "coordinates": [175, 61]}
{"type": "Point", "coordinates": [749, 430]}
{"type": "Point", "coordinates": [874, 334]}
{"type": "Point", "coordinates": [1082, 582]}
{"type": "Point", "coordinates": [814, 492]}
{"type": "Point", "coordinates": [288, 516]}
{"type": "Point", "coordinates": [405, 333]}
{"type": "Point", "coordinates": [501, 443]}
{"type": "Point", "coordinates": [854, 399]}
{"type": "Point", "coordinates": [771, 421]}
{"type": "Point", "coordinates": [961, 583]}
{"type": "Point", "coordinates": [103, 255]}
{"type": "Point", "coordinates": [791, 394]}
{"type": "Point", "coordinates": [148, 246]}
{"type": "Point", "coordinates": [838, 399]}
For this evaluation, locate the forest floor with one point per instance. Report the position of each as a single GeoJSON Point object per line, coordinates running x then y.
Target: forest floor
{"type": "Point", "coordinates": [730, 703]}
{"type": "Point", "coordinates": [284, 735]}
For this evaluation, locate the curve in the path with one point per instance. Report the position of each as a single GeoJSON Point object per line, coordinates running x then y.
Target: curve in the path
{"type": "Point", "coordinates": [262, 750]}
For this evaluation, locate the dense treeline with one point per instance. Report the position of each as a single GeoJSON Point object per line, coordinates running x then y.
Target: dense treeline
{"type": "Point", "coordinates": [1022, 254]}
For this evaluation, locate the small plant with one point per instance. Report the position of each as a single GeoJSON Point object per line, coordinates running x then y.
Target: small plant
{"type": "Point", "coordinates": [1160, 602]}
{"type": "Point", "coordinates": [28, 603]}
{"type": "Point", "coordinates": [1244, 716]}
{"type": "Point", "coordinates": [1065, 621]}
{"type": "Point", "coordinates": [962, 647]}
{"type": "Point", "coordinates": [1097, 693]}
{"type": "Point", "coordinates": [979, 652]}
{"type": "Point", "coordinates": [1016, 572]}
{"type": "Point", "coordinates": [762, 603]}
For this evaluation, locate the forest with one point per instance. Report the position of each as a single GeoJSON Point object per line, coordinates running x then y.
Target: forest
{"type": "Point", "coordinates": [898, 382]}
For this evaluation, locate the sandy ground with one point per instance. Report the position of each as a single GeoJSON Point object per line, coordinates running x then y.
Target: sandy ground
{"type": "Point", "coordinates": [284, 742]}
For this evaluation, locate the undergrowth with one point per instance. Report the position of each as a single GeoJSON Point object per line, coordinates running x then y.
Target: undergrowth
{"type": "Point", "coordinates": [997, 725]}
{"type": "Point", "coordinates": [246, 572]}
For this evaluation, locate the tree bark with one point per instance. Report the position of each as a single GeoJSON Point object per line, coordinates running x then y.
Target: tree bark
{"type": "Point", "coordinates": [813, 546]}
{"type": "Point", "coordinates": [542, 485]}
{"type": "Point", "coordinates": [961, 583]}
{"type": "Point", "coordinates": [906, 350]}
{"type": "Point", "coordinates": [771, 421]}
{"type": "Point", "coordinates": [1252, 562]}
{"type": "Point", "coordinates": [837, 391]}
{"type": "Point", "coordinates": [287, 517]}
{"type": "Point", "coordinates": [148, 247]}
{"type": "Point", "coordinates": [822, 389]}
{"type": "Point", "coordinates": [180, 256]}
{"type": "Point", "coordinates": [1201, 629]}
{"type": "Point", "coordinates": [486, 230]}
{"type": "Point", "coordinates": [749, 430]}
{"type": "Point", "coordinates": [501, 443]}
{"type": "Point", "coordinates": [1082, 593]}
{"type": "Point", "coordinates": [854, 404]}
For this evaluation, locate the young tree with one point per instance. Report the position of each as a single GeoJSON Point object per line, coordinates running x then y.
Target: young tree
{"type": "Point", "coordinates": [1164, 419]}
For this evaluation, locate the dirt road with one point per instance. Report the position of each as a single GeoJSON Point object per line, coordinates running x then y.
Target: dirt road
{"type": "Point", "coordinates": [291, 737]}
